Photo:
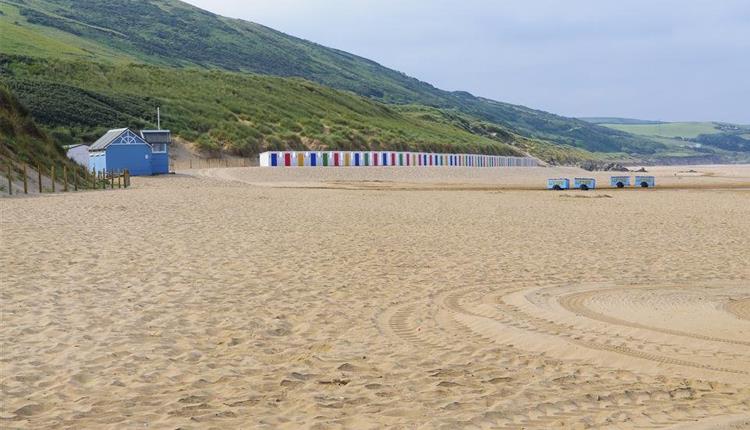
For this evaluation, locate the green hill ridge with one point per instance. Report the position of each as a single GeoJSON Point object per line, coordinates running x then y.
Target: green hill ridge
{"type": "Point", "coordinates": [55, 51]}
{"type": "Point", "coordinates": [223, 110]}
{"type": "Point", "coordinates": [174, 34]}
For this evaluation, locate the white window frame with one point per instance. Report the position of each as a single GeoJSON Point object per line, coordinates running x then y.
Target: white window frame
{"type": "Point", "coordinates": [154, 146]}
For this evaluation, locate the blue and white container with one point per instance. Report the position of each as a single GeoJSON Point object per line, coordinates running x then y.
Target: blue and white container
{"type": "Point", "coordinates": [619, 181]}
{"type": "Point", "coordinates": [558, 184]}
{"type": "Point", "coordinates": [584, 183]}
{"type": "Point", "coordinates": [645, 181]}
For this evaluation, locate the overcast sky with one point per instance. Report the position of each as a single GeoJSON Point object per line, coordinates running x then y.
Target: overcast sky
{"type": "Point", "coordinates": [651, 59]}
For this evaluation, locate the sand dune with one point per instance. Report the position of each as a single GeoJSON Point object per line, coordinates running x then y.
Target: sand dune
{"type": "Point", "coordinates": [371, 298]}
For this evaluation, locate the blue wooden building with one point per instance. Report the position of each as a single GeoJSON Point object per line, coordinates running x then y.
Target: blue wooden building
{"type": "Point", "coordinates": [141, 154]}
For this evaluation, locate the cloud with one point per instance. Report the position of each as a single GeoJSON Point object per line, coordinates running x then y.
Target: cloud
{"type": "Point", "coordinates": [665, 59]}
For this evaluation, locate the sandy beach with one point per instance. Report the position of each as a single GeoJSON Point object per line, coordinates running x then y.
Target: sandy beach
{"type": "Point", "coordinates": [371, 298]}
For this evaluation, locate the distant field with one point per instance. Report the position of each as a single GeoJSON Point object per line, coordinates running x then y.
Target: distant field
{"type": "Point", "coordinates": [672, 129]}
{"type": "Point", "coordinates": [614, 120]}
{"type": "Point", "coordinates": [693, 139]}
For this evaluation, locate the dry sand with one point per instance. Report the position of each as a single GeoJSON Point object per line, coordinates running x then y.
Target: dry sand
{"type": "Point", "coordinates": [371, 298]}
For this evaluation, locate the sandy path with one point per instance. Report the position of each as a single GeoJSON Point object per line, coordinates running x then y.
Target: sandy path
{"type": "Point", "coordinates": [207, 302]}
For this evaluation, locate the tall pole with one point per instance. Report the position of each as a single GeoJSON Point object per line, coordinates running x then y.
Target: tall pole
{"type": "Point", "coordinates": [10, 179]}
{"type": "Point", "coordinates": [158, 118]}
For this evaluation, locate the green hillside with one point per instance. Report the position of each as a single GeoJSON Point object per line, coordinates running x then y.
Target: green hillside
{"type": "Point", "coordinates": [241, 112]}
{"type": "Point", "coordinates": [23, 141]}
{"type": "Point", "coordinates": [175, 34]}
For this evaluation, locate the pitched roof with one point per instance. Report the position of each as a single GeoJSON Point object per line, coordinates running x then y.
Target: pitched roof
{"type": "Point", "coordinates": [105, 140]}
{"type": "Point", "coordinates": [156, 136]}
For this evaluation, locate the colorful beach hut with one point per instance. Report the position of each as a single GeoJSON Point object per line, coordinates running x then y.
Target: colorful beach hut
{"type": "Point", "coordinates": [122, 149]}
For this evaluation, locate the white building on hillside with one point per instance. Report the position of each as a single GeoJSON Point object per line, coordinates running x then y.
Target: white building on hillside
{"type": "Point", "coordinates": [79, 154]}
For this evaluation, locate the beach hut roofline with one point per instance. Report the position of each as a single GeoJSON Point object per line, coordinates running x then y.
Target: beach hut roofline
{"type": "Point", "coordinates": [157, 136]}
{"type": "Point", "coordinates": [108, 137]}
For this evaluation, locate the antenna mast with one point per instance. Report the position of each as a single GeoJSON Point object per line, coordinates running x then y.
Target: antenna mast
{"type": "Point", "coordinates": [158, 118]}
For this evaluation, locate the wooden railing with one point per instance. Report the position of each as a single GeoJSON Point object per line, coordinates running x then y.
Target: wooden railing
{"type": "Point", "coordinates": [211, 163]}
{"type": "Point", "coordinates": [65, 181]}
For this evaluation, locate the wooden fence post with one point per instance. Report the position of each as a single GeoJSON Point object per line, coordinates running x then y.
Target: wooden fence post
{"type": "Point", "coordinates": [112, 179]}
{"type": "Point", "coordinates": [65, 178]}
{"type": "Point", "coordinates": [39, 174]}
{"type": "Point", "coordinates": [25, 180]}
{"type": "Point", "coordinates": [52, 175]}
{"type": "Point", "coordinates": [119, 180]}
{"type": "Point", "coordinates": [127, 178]}
{"type": "Point", "coordinates": [75, 181]}
{"type": "Point", "coordinates": [10, 179]}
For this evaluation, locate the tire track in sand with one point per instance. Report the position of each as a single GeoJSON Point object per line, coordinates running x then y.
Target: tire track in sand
{"type": "Point", "coordinates": [428, 323]}
{"type": "Point", "coordinates": [622, 405]}
{"type": "Point", "coordinates": [515, 317]}
{"type": "Point", "coordinates": [576, 303]}
{"type": "Point", "coordinates": [739, 308]}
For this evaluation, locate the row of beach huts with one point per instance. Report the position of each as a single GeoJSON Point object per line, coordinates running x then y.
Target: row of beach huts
{"type": "Point", "coordinates": [147, 153]}
{"type": "Point", "coordinates": [387, 159]}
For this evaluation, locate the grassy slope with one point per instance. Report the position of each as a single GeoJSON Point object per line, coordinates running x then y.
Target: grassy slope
{"type": "Point", "coordinates": [243, 112]}
{"type": "Point", "coordinates": [173, 33]}
{"type": "Point", "coordinates": [22, 141]}
{"type": "Point", "coordinates": [18, 36]}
